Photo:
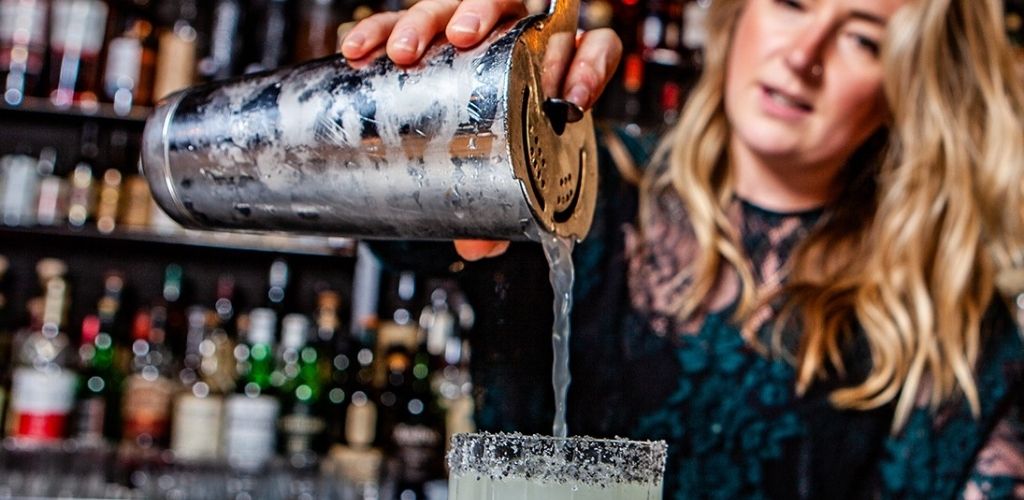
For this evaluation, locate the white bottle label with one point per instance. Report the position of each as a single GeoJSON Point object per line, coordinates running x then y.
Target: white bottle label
{"type": "Point", "coordinates": [41, 402]}
{"type": "Point", "coordinates": [195, 434]}
{"type": "Point", "coordinates": [250, 427]}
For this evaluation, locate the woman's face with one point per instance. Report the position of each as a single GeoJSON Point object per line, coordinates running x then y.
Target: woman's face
{"type": "Point", "coordinates": [804, 79]}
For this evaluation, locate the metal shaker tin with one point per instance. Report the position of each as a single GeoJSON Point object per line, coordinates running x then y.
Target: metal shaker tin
{"type": "Point", "coordinates": [458, 146]}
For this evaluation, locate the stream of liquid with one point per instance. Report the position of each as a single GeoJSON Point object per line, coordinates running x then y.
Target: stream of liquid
{"type": "Point", "coordinates": [558, 251]}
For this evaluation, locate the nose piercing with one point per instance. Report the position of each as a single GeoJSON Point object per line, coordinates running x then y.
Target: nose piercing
{"type": "Point", "coordinates": [817, 70]}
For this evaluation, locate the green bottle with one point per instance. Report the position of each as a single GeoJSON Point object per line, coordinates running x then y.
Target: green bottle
{"type": "Point", "coordinates": [301, 389]}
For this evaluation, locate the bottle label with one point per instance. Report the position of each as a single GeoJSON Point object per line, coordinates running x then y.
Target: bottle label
{"type": "Point", "coordinates": [78, 26]}
{"type": "Point", "coordinates": [361, 424]}
{"type": "Point", "coordinates": [146, 409]}
{"type": "Point", "coordinates": [90, 414]}
{"type": "Point", "coordinates": [300, 430]}
{"type": "Point", "coordinates": [250, 427]}
{"type": "Point", "coordinates": [418, 448]}
{"type": "Point", "coordinates": [196, 430]}
{"type": "Point", "coordinates": [41, 402]}
{"type": "Point", "coordinates": [26, 17]}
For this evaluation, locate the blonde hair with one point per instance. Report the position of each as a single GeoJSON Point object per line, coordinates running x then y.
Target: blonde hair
{"type": "Point", "coordinates": [931, 210]}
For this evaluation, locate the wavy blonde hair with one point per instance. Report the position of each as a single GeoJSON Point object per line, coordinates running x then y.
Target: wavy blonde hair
{"type": "Point", "coordinates": [931, 209]}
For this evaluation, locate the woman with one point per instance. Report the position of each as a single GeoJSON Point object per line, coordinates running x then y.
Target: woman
{"type": "Point", "coordinates": [812, 307]}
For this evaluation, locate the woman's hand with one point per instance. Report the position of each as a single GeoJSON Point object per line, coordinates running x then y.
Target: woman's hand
{"type": "Point", "coordinates": [407, 34]}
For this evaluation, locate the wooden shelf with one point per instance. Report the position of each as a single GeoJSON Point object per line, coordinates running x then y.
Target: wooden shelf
{"type": "Point", "coordinates": [102, 111]}
{"type": "Point", "coordinates": [272, 243]}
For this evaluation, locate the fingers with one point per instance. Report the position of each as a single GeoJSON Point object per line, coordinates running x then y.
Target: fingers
{"type": "Point", "coordinates": [407, 34]}
{"type": "Point", "coordinates": [473, 250]}
{"type": "Point", "coordinates": [417, 27]}
{"type": "Point", "coordinates": [596, 58]}
{"type": "Point", "coordinates": [369, 34]}
{"type": "Point", "coordinates": [476, 18]}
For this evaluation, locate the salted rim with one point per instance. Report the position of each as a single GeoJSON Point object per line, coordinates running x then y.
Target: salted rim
{"type": "Point", "coordinates": [603, 462]}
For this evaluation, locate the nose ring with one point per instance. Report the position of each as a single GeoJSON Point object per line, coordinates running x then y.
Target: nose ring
{"type": "Point", "coordinates": [817, 70]}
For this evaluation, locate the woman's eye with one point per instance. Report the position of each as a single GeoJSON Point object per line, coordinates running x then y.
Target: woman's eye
{"type": "Point", "coordinates": [868, 44]}
{"type": "Point", "coordinates": [792, 4]}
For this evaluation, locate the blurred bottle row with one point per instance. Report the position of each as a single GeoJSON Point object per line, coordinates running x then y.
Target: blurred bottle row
{"type": "Point", "coordinates": [207, 389]}
{"type": "Point", "coordinates": [134, 52]}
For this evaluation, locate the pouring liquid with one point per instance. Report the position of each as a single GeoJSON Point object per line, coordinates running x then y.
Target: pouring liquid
{"type": "Point", "coordinates": [558, 251]}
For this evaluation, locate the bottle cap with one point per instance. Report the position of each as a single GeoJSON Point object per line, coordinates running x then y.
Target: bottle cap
{"type": "Point", "coordinates": [48, 269]}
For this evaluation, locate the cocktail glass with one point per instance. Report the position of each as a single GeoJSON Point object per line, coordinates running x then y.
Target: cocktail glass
{"type": "Point", "coordinates": [514, 466]}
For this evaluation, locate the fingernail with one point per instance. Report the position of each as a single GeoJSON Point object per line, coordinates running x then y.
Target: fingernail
{"type": "Point", "coordinates": [578, 95]}
{"type": "Point", "coordinates": [355, 41]}
{"type": "Point", "coordinates": [407, 41]}
{"type": "Point", "coordinates": [466, 23]}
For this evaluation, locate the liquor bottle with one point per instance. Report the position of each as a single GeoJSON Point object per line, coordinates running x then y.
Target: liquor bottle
{"type": "Point", "coordinates": [20, 187]}
{"type": "Point", "coordinates": [400, 326]}
{"type": "Point", "coordinates": [77, 32]}
{"type": "Point", "coordinates": [662, 32]}
{"type": "Point", "coordinates": [148, 390]}
{"type": "Point", "coordinates": [277, 286]}
{"type": "Point", "coordinates": [317, 33]}
{"type": "Point", "coordinates": [80, 200]}
{"type": "Point", "coordinates": [225, 43]}
{"type": "Point", "coordinates": [269, 35]}
{"type": "Point", "coordinates": [52, 203]}
{"type": "Point", "coordinates": [302, 423]}
{"type": "Point", "coordinates": [137, 202]}
{"type": "Point", "coordinates": [695, 31]}
{"type": "Point", "coordinates": [176, 53]}
{"type": "Point", "coordinates": [172, 302]}
{"type": "Point", "coordinates": [198, 408]}
{"type": "Point", "coordinates": [43, 383]}
{"type": "Point", "coordinates": [131, 59]}
{"type": "Point", "coordinates": [22, 47]}
{"type": "Point", "coordinates": [250, 414]}
{"type": "Point", "coordinates": [96, 401]}
{"type": "Point", "coordinates": [109, 201]}
{"type": "Point", "coordinates": [416, 432]}
{"type": "Point", "coordinates": [337, 366]}
{"type": "Point", "coordinates": [218, 359]}
{"type": "Point", "coordinates": [6, 340]}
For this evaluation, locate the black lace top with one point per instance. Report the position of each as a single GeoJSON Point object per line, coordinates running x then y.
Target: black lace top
{"type": "Point", "coordinates": [734, 425]}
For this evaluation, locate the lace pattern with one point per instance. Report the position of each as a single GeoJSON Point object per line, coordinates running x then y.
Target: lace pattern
{"type": "Point", "coordinates": [660, 271]}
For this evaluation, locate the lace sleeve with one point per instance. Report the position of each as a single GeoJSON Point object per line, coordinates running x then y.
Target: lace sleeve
{"type": "Point", "coordinates": [998, 470]}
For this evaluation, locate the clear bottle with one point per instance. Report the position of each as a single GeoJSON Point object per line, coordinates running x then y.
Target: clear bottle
{"type": "Point", "coordinates": [251, 413]}
{"type": "Point", "coordinates": [77, 31]}
{"type": "Point", "coordinates": [21, 185]}
{"type": "Point", "coordinates": [277, 286]}
{"type": "Point", "coordinates": [43, 383]}
{"type": "Point", "coordinates": [131, 59]}
{"type": "Point", "coordinates": [22, 47]}
{"type": "Point", "coordinates": [223, 58]}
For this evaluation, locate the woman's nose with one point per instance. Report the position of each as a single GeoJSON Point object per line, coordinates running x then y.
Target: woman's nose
{"type": "Point", "coordinates": [805, 55]}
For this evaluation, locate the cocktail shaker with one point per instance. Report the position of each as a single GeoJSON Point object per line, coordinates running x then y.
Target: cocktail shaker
{"type": "Point", "coordinates": [465, 144]}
